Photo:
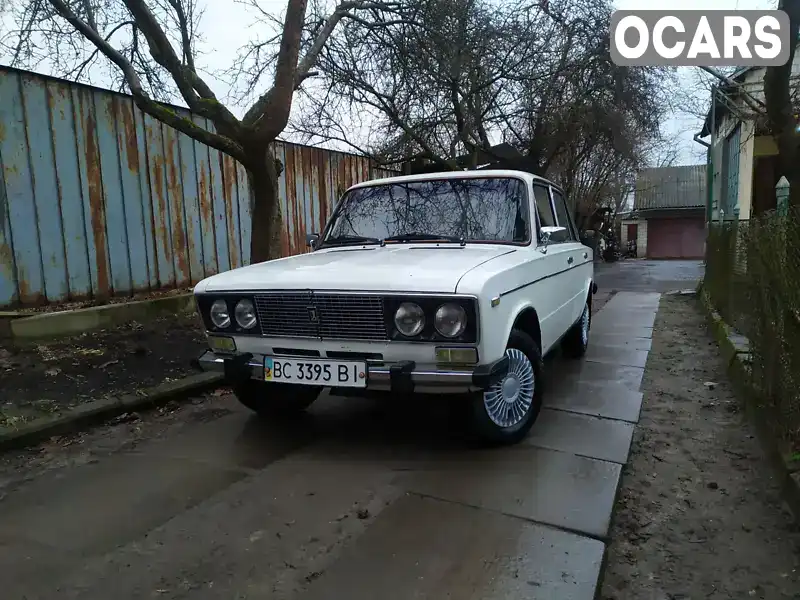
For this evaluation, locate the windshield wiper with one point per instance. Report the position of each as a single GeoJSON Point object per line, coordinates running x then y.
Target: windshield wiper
{"type": "Point", "coordinates": [343, 240]}
{"type": "Point", "coordinates": [416, 236]}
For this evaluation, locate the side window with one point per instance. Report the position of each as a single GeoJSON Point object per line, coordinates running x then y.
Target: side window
{"type": "Point", "coordinates": [562, 213]}
{"type": "Point", "coordinates": [542, 197]}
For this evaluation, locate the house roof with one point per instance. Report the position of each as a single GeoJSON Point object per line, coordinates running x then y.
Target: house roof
{"type": "Point", "coordinates": [670, 187]}
{"type": "Point", "coordinates": [721, 108]}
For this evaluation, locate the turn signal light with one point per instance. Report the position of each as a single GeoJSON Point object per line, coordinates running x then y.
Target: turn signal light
{"type": "Point", "coordinates": [223, 344]}
{"type": "Point", "coordinates": [460, 356]}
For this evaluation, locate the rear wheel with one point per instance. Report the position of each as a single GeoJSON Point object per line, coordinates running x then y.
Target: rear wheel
{"type": "Point", "coordinates": [275, 399]}
{"type": "Point", "coordinates": [506, 411]}
{"type": "Point", "coordinates": [577, 339]}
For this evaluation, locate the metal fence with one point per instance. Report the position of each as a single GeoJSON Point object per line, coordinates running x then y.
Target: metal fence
{"type": "Point", "coordinates": [753, 279]}
{"type": "Point", "coordinates": [98, 199]}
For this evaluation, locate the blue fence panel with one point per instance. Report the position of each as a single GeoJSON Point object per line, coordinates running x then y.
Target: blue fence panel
{"type": "Point", "coordinates": [21, 205]}
{"type": "Point", "coordinates": [132, 194]}
{"type": "Point", "coordinates": [45, 190]}
{"type": "Point", "coordinates": [218, 204]}
{"type": "Point", "coordinates": [206, 203]}
{"type": "Point", "coordinates": [175, 207]}
{"type": "Point", "coordinates": [97, 198]}
{"type": "Point", "coordinates": [113, 195]}
{"type": "Point", "coordinates": [70, 191]}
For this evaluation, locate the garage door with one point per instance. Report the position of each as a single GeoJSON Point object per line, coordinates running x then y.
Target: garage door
{"type": "Point", "coordinates": [676, 238]}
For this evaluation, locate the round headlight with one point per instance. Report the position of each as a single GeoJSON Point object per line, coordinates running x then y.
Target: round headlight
{"type": "Point", "coordinates": [245, 314]}
{"type": "Point", "coordinates": [219, 314]}
{"type": "Point", "coordinates": [409, 319]}
{"type": "Point", "coordinates": [450, 320]}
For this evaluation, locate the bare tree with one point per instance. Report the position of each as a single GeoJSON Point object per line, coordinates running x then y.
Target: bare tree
{"type": "Point", "coordinates": [152, 47]}
{"type": "Point", "coordinates": [471, 73]}
{"type": "Point", "coordinates": [431, 89]}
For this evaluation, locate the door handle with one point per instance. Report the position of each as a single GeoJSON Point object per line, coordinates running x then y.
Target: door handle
{"type": "Point", "coordinates": [585, 255]}
{"type": "Point", "coordinates": [569, 260]}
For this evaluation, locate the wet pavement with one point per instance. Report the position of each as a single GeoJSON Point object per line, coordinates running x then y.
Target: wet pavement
{"type": "Point", "coordinates": [358, 499]}
{"type": "Point", "coordinates": [638, 275]}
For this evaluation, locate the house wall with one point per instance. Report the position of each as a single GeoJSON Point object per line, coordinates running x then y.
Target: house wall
{"type": "Point", "coordinates": [745, 199]}
{"type": "Point", "coordinates": [623, 234]}
{"type": "Point", "coordinates": [641, 238]}
{"type": "Point", "coordinates": [745, 177]}
{"type": "Point", "coordinates": [751, 146]}
{"type": "Point", "coordinates": [98, 199]}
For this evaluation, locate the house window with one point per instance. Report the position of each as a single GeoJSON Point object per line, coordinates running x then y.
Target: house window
{"type": "Point", "coordinates": [730, 172]}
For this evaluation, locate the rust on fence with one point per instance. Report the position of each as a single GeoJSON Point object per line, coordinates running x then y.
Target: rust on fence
{"type": "Point", "coordinates": [99, 199]}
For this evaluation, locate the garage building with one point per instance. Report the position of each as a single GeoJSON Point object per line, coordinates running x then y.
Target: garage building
{"type": "Point", "coordinates": [668, 217]}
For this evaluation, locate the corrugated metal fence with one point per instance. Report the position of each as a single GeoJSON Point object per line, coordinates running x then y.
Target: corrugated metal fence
{"type": "Point", "coordinates": [99, 199]}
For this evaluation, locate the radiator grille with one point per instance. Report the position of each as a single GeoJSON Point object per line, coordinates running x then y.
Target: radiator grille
{"type": "Point", "coordinates": [322, 315]}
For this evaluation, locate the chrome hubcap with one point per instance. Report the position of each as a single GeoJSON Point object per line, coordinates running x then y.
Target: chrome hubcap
{"type": "Point", "coordinates": [508, 401]}
{"type": "Point", "coordinates": [585, 325]}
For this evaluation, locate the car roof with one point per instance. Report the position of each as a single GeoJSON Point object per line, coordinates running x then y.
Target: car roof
{"type": "Point", "coordinates": [473, 174]}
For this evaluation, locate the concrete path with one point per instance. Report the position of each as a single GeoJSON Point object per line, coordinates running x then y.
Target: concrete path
{"type": "Point", "coordinates": [648, 275]}
{"type": "Point", "coordinates": [358, 501]}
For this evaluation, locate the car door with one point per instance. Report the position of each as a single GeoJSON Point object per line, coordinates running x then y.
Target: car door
{"type": "Point", "coordinates": [554, 295]}
{"type": "Point", "coordinates": [576, 255]}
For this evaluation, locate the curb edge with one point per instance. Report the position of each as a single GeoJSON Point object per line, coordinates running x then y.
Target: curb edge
{"type": "Point", "coordinates": [98, 411]}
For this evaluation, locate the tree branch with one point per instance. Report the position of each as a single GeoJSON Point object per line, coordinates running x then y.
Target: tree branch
{"type": "Point", "coordinates": [189, 83]}
{"type": "Point", "coordinates": [142, 99]}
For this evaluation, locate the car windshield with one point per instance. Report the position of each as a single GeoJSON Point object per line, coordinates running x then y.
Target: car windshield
{"type": "Point", "coordinates": [453, 210]}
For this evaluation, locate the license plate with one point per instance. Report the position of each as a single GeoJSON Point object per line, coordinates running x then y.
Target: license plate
{"type": "Point", "coordinates": [328, 373]}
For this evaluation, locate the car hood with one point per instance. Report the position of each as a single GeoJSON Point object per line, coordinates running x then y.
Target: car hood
{"type": "Point", "coordinates": [393, 268]}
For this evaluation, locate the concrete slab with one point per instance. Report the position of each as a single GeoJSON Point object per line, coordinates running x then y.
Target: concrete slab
{"type": "Point", "coordinates": [102, 505]}
{"type": "Point", "coordinates": [644, 298]}
{"type": "Point", "coordinates": [614, 355]}
{"type": "Point", "coordinates": [593, 437]}
{"type": "Point", "coordinates": [628, 308]}
{"type": "Point", "coordinates": [609, 322]}
{"type": "Point", "coordinates": [568, 374]}
{"type": "Point", "coordinates": [620, 340]}
{"type": "Point", "coordinates": [426, 549]}
{"type": "Point", "coordinates": [546, 486]}
{"type": "Point", "coordinates": [630, 316]}
{"type": "Point", "coordinates": [602, 327]}
{"type": "Point", "coordinates": [631, 309]}
{"type": "Point", "coordinates": [610, 400]}
{"type": "Point", "coordinates": [241, 441]}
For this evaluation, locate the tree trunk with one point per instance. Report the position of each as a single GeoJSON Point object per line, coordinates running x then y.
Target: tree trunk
{"type": "Point", "coordinates": [794, 188]}
{"type": "Point", "coordinates": [262, 173]}
{"type": "Point", "coordinates": [780, 111]}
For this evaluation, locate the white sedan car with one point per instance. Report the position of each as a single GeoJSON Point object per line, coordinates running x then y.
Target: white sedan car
{"type": "Point", "coordinates": [444, 283]}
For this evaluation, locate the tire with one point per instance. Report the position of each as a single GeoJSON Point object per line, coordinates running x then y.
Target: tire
{"type": "Point", "coordinates": [487, 411]}
{"type": "Point", "coordinates": [576, 340]}
{"type": "Point", "coordinates": [271, 400]}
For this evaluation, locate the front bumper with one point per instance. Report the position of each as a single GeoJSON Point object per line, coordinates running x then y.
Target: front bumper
{"type": "Point", "coordinates": [400, 377]}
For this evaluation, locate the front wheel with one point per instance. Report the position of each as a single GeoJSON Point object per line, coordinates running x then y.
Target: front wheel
{"type": "Point", "coordinates": [506, 411]}
{"type": "Point", "coordinates": [576, 341]}
{"type": "Point", "coordinates": [269, 399]}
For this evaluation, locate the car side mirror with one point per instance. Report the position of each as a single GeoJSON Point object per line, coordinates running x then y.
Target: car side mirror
{"type": "Point", "coordinates": [312, 239]}
{"type": "Point", "coordinates": [547, 234]}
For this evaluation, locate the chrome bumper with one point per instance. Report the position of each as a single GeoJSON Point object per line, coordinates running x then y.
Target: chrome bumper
{"type": "Point", "coordinates": [397, 377]}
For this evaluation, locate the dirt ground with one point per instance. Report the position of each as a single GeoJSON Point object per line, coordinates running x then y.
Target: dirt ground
{"type": "Point", "coordinates": [48, 378]}
{"type": "Point", "coordinates": [699, 513]}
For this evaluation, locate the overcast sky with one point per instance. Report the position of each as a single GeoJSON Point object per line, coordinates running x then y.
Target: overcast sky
{"type": "Point", "coordinates": [225, 28]}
